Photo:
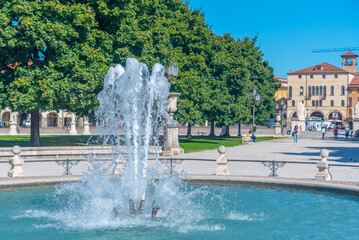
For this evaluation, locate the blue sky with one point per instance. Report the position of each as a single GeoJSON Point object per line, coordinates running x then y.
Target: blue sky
{"type": "Point", "coordinates": [288, 30]}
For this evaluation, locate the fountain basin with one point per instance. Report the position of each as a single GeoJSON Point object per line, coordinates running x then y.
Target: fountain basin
{"type": "Point", "coordinates": [232, 212]}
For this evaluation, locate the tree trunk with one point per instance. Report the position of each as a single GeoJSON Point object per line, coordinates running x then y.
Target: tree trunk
{"type": "Point", "coordinates": [239, 130]}
{"type": "Point", "coordinates": [227, 132]}
{"type": "Point", "coordinates": [35, 129]}
{"type": "Point", "coordinates": [212, 134]}
{"type": "Point", "coordinates": [189, 131]}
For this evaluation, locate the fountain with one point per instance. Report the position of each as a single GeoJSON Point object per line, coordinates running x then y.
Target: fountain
{"type": "Point", "coordinates": [133, 100]}
{"type": "Point", "coordinates": [105, 205]}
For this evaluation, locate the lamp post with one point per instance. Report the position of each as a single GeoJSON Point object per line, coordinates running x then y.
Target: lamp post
{"type": "Point", "coordinates": [281, 108]}
{"type": "Point", "coordinates": [256, 98]}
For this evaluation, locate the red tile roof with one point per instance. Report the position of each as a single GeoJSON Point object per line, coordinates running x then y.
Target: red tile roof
{"type": "Point", "coordinates": [326, 68]}
{"type": "Point", "coordinates": [279, 78]}
{"type": "Point", "coordinates": [356, 73]}
{"type": "Point", "coordinates": [354, 82]}
{"type": "Point", "coordinates": [349, 54]}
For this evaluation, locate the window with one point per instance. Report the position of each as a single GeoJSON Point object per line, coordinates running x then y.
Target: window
{"type": "Point", "coordinates": [350, 113]}
{"type": "Point", "coordinates": [321, 91]}
{"type": "Point", "coordinates": [316, 103]}
{"type": "Point", "coordinates": [323, 75]}
{"type": "Point", "coordinates": [309, 91]}
{"type": "Point", "coordinates": [336, 75]}
{"type": "Point", "coordinates": [299, 76]}
{"type": "Point", "coordinates": [316, 90]}
{"type": "Point", "coordinates": [343, 103]}
{"type": "Point", "coordinates": [350, 102]}
{"type": "Point", "coordinates": [320, 103]}
{"type": "Point", "coordinates": [332, 103]}
{"type": "Point", "coordinates": [332, 90]}
{"type": "Point", "coordinates": [301, 90]}
{"type": "Point", "coordinates": [311, 76]}
{"type": "Point", "coordinates": [358, 90]}
{"type": "Point", "coordinates": [313, 103]}
{"type": "Point", "coordinates": [313, 90]}
{"type": "Point", "coordinates": [343, 90]}
{"type": "Point", "coordinates": [290, 91]}
{"type": "Point", "coordinates": [325, 91]}
{"type": "Point", "coordinates": [293, 103]}
{"type": "Point", "coordinates": [350, 90]}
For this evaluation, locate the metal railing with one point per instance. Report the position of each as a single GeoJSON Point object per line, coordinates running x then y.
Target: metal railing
{"type": "Point", "coordinates": [172, 162]}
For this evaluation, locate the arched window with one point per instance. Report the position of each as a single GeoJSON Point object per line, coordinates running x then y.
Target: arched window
{"type": "Point", "coordinates": [320, 103]}
{"type": "Point", "coordinates": [290, 91]}
{"type": "Point", "coordinates": [293, 103]}
{"type": "Point", "coordinates": [321, 91]}
{"type": "Point", "coordinates": [343, 103]}
{"type": "Point", "coordinates": [332, 103]}
{"type": "Point", "coordinates": [313, 103]}
{"type": "Point", "coordinates": [313, 90]}
{"type": "Point", "coordinates": [325, 91]}
{"type": "Point", "coordinates": [317, 90]}
{"type": "Point", "coordinates": [316, 103]}
{"type": "Point", "coordinates": [309, 91]}
{"type": "Point", "coordinates": [343, 90]}
{"type": "Point", "coordinates": [301, 90]}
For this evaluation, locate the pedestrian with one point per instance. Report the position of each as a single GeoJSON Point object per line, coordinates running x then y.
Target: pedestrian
{"type": "Point", "coordinates": [323, 132]}
{"type": "Point", "coordinates": [68, 129]}
{"type": "Point", "coordinates": [335, 132]}
{"type": "Point", "coordinates": [295, 134]}
{"type": "Point", "coordinates": [18, 129]}
{"type": "Point", "coordinates": [347, 130]}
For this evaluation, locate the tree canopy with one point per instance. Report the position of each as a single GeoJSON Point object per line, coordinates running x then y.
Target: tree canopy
{"type": "Point", "coordinates": [54, 54]}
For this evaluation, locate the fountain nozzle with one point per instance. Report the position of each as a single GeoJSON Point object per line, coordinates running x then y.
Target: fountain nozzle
{"type": "Point", "coordinates": [136, 207]}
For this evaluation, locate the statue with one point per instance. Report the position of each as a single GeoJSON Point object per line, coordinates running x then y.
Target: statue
{"type": "Point", "coordinates": [356, 111]}
{"type": "Point", "coordinates": [301, 111]}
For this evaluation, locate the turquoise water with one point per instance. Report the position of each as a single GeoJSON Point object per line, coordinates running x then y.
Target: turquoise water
{"type": "Point", "coordinates": [217, 212]}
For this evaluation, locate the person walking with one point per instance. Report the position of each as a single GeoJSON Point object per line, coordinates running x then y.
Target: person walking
{"type": "Point", "coordinates": [335, 132]}
{"type": "Point", "coordinates": [323, 132]}
{"type": "Point", "coordinates": [295, 134]}
{"type": "Point", "coordinates": [347, 130]}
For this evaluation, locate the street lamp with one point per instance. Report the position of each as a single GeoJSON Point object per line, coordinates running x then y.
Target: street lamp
{"type": "Point", "coordinates": [281, 109]}
{"type": "Point", "coordinates": [256, 98]}
{"type": "Point", "coordinates": [172, 71]}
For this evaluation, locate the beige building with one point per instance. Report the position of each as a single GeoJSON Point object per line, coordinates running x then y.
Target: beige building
{"type": "Point", "coordinates": [282, 92]}
{"type": "Point", "coordinates": [323, 88]}
{"type": "Point", "coordinates": [59, 118]}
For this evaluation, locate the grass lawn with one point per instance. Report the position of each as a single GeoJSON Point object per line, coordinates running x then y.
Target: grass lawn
{"type": "Point", "coordinates": [195, 144]}
{"type": "Point", "coordinates": [45, 140]}
{"type": "Point", "coordinates": [201, 143]}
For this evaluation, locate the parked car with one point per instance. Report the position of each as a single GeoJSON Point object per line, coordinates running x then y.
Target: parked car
{"type": "Point", "coordinates": [1, 124]}
{"type": "Point", "coordinates": [270, 124]}
{"type": "Point", "coordinates": [27, 123]}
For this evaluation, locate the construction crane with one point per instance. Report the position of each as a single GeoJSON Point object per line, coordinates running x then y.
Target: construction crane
{"type": "Point", "coordinates": [335, 49]}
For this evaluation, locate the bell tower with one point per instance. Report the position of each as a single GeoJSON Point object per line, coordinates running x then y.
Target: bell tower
{"type": "Point", "coordinates": [349, 62]}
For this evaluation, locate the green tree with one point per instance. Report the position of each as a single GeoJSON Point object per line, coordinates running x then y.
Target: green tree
{"type": "Point", "coordinates": [58, 56]}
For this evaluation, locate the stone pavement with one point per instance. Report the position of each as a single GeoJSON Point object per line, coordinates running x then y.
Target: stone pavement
{"type": "Point", "coordinates": [307, 150]}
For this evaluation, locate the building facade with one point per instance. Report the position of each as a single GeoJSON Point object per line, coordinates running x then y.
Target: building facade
{"type": "Point", "coordinates": [61, 118]}
{"type": "Point", "coordinates": [323, 89]}
{"type": "Point", "coordinates": [282, 92]}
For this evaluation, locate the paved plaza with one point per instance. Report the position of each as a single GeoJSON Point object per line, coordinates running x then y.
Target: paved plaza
{"type": "Point", "coordinates": [305, 151]}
